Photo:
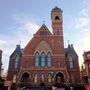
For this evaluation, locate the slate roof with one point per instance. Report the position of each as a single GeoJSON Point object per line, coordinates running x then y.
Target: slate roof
{"type": "Point", "coordinates": [18, 50]}
{"type": "Point", "coordinates": [57, 9]}
{"type": "Point", "coordinates": [70, 50]}
{"type": "Point", "coordinates": [43, 28]}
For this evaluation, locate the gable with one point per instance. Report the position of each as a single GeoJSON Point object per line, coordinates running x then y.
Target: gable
{"type": "Point", "coordinates": [43, 31]}
{"type": "Point", "coordinates": [17, 51]}
{"type": "Point", "coordinates": [70, 51]}
{"type": "Point", "coordinates": [38, 36]}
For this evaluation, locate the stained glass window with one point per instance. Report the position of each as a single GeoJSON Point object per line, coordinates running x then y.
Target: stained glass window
{"type": "Point", "coordinates": [49, 59]}
{"type": "Point", "coordinates": [43, 56]}
{"type": "Point", "coordinates": [16, 62]}
{"type": "Point", "coordinates": [37, 59]}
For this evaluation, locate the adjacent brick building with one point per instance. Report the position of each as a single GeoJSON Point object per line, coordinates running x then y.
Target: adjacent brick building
{"type": "Point", "coordinates": [44, 59]}
{"type": "Point", "coordinates": [72, 64]}
{"type": "Point", "coordinates": [85, 72]}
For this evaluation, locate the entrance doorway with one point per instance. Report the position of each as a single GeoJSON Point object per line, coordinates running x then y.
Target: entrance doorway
{"type": "Point", "coordinates": [59, 78]}
{"type": "Point", "coordinates": [25, 79]}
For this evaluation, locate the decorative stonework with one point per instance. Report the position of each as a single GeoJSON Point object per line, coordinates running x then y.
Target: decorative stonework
{"type": "Point", "coordinates": [43, 46]}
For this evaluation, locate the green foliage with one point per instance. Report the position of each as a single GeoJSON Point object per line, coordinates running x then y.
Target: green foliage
{"type": "Point", "coordinates": [80, 87]}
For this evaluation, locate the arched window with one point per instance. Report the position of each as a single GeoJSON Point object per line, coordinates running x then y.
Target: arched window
{"type": "Point", "coordinates": [43, 56]}
{"type": "Point", "coordinates": [56, 18]}
{"type": "Point", "coordinates": [70, 62]}
{"type": "Point", "coordinates": [36, 59]}
{"type": "Point", "coordinates": [16, 62]}
{"type": "Point", "coordinates": [49, 59]}
{"type": "Point", "coordinates": [59, 78]}
{"type": "Point", "coordinates": [25, 77]}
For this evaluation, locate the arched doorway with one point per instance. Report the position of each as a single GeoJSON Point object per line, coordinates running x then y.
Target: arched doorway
{"type": "Point", "coordinates": [25, 79]}
{"type": "Point", "coordinates": [59, 78]}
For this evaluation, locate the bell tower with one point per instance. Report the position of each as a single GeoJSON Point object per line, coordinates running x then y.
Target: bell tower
{"type": "Point", "coordinates": [56, 16]}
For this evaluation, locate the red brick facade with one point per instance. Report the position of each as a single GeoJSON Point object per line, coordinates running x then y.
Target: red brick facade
{"type": "Point", "coordinates": [52, 66]}
{"type": "Point", "coordinates": [85, 72]}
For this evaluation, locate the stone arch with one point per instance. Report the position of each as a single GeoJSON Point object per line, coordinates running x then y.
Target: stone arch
{"type": "Point", "coordinates": [56, 17]}
{"type": "Point", "coordinates": [25, 78]}
{"type": "Point", "coordinates": [36, 52]}
{"type": "Point", "coordinates": [43, 46]}
{"type": "Point", "coordinates": [59, 77]}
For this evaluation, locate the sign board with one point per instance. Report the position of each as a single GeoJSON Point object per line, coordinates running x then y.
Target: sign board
{"type": "Point", "coordinates": [8, 83]}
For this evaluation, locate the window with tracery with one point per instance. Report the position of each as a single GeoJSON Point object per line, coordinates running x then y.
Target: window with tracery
{"type": "Point", "coordinates": [49, 59]}
{"type": "Point", "coordinates": [43, 57]}
{"type": "Point", "coordinates": [43, 60]}
{"type": "Point", "coordinates": [70, 62]}
{"type": "Point", "coordinates": [16, 62]}
{"type": "Point", "coordinates": [36, 59]}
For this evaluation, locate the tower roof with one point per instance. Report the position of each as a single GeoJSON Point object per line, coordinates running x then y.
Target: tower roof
{"type": "Point", "coordinates": [57, 9]}
{"type": "Point", "coordinates": [70, 50]}
{"type": "Point", "coordinates": [17, 50]}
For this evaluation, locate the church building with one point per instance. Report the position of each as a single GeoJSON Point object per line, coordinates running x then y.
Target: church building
{"type": "Point", "coordinates": [44, 59]}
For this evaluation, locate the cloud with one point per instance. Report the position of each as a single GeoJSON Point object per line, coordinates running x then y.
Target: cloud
{"type": "Point", "coordinates": [2, 42]}
{"type": "Point", "coordinates": [84, 12]}
{"type": "Point", "coordinates": [84, 16]}
{"type": "Point", "coordinates": [82, 28]}
{"type": "Point", "coordinates": [86, 2]}
{"type": "Point", "coordinates": [30, 27]}
{"type": "Point", "coordinates": [81, 22]}
{"type": "Point", "coordinates": [23, 33]}
{"type": "Point", "coordinates": [83, 44]}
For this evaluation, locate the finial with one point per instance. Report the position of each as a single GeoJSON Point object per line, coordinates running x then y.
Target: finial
{"type": "Point", "coordinates": [19, 42]}
{"type": "Point", "coordinates": [68, 43]}
{"type": "Point", "coordinates": [43, 22]}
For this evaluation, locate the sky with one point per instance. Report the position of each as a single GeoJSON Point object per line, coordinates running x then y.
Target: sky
{"type": "Point", "coordinates": [20, 19]}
